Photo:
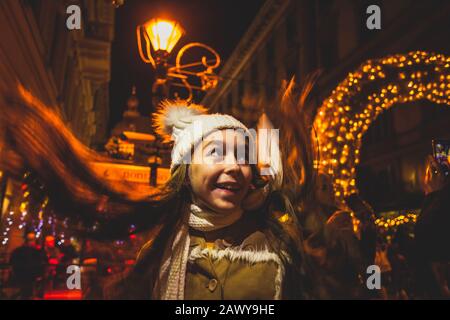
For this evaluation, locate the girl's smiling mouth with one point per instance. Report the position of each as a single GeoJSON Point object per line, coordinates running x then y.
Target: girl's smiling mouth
{"type": "Point", "coordinates": [228, 187]}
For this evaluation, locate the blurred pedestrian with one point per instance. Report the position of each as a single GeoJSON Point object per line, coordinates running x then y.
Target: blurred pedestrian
{"type": "Point", "coordinates": [53, 255]}
{"type": "Point", "coordinates": [28, 263]}
{"type": "Point", "coordinates": [399, 256]}
{"type": "Point", "coordinates": [382, 261]}
{"type": "Point", "coordinates": [340, 253]}
{"type": "Point", "coordinates": [432, 236]}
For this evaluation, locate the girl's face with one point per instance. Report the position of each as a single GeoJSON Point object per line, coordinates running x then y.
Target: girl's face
{"type": "Point", "coordinates": [219, 175]}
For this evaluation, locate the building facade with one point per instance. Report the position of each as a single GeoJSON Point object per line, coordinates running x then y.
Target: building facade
{"type": "Point", "coordinates": [133, 141]}
{"type": "Point", "coordinates": [69, 70]}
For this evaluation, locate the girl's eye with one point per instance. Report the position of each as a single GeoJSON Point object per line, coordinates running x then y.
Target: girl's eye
{"type": "Point", "coordinates": [214, 152]}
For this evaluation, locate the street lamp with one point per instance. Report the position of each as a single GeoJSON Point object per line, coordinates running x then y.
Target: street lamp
{"type": "Point", "coordinates": [162, 36]}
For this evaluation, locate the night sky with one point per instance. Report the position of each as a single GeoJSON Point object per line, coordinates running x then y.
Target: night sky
{"type": "Point", "coordinates": [218, 23]}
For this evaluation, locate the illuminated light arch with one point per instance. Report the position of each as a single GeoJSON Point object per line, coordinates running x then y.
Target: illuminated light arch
{"type": "Point", "coordinates": [374, 87]}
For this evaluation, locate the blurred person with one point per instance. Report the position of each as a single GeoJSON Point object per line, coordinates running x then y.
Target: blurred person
{"type": "Point", "coordinates": [28, 265]}
{"type": "Point", "coordinates": [53, 255]}
{"type": "Point", "coordinates": [68, 256]}
{"type": "Point", "coordinates": [319, 207]}
{"type": "Point", "coordinates": [51, 250]}
{"type": "Point", "coordinates": [68, 253]}
{"type": "Point", "coordinates": [399, 254]}
{"type": "Point", "coordinates": [432, 236]}
{"type": "Point", "coordinates": [367, 233]}
{"type": "Point", "coordinates": [98, 261]}
{"type": "Point", "coordinates": [340, 253]}
{"type": "Point", "coordinates": [382, 261]}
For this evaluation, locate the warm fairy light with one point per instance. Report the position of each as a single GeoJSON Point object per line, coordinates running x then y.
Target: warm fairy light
{"type": "Point", "coordinates": [374, 87]}
{"type": "Point", "coordinates": [395, 222]}
{"type": "Point", "coordinates": [356, 223]}
{"type": "Point", "coordinates": [284, 218]}
{"type": "Point", "coordinates": [163, 34]}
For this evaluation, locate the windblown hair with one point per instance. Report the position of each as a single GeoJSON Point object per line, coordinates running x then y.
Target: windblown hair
{"type": "Point", "coordinates": [36, 139]}
{"type": "Point", "coordinates": [296, 145]}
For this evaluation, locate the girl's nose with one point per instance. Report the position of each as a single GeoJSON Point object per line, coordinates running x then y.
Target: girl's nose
{"type": "Point", "coordinates": [230, 158]}
{"type": "Point", "coordinates": [231, 162]}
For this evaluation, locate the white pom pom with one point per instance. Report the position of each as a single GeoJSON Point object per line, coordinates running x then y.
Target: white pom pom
{"type": "Point", "coordinates": [174, 116]}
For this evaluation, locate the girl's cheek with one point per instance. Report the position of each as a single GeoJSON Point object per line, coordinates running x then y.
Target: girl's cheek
{"type": "Point", "coordinates": [248, 175]}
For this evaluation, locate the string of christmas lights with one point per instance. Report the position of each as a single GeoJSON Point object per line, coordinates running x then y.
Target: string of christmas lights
{"type": "Point", "coordinates": [9, 224]}
{"type": "Point", "coordinates": [387, 223]}
{"type": "Point", "coordinates": [25, 218]}
{"type": "Point", "coordinates": [373, 88]}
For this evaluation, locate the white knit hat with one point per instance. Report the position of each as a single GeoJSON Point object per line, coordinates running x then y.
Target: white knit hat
{"type": "Point", "coordinates": [186, 124]}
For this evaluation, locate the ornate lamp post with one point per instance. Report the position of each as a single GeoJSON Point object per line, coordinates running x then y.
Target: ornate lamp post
{"type": "Point", "coordinates": [162, 36]}
{"type": "Point", "coordinates": [159, 39]}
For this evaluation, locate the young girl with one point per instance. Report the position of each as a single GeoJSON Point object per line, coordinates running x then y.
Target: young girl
{"type": "Point", "coordinates": [217, 229]}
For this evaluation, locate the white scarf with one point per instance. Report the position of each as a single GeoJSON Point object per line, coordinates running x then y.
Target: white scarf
{"type": "Point", "coordinates": [172, 272]}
